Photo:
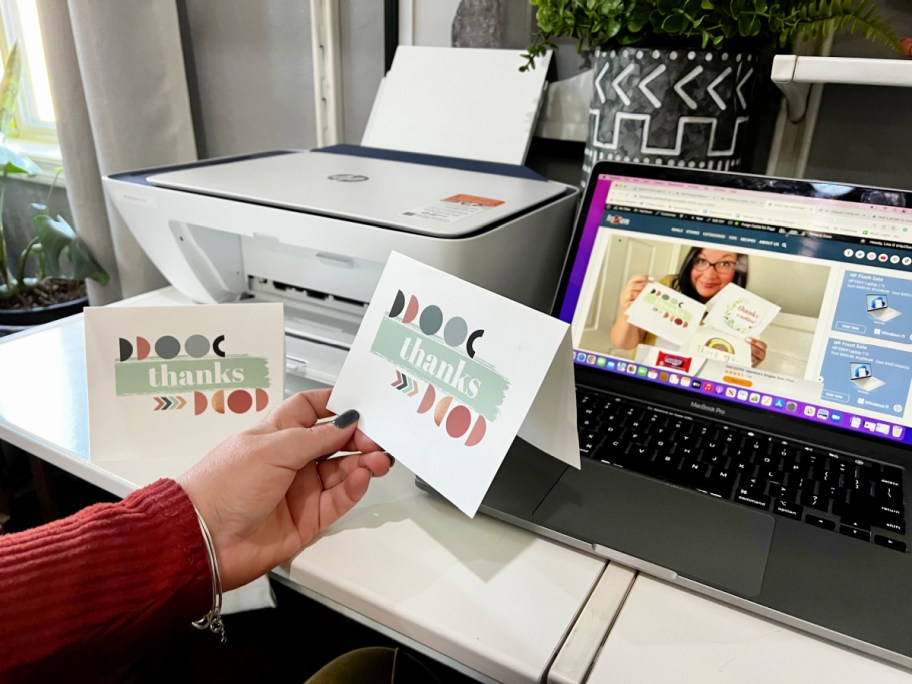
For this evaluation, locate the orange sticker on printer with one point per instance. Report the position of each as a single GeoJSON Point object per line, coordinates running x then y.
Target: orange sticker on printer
{"type": "Point", "coordinates": [454, 208]}
{"type": "Point", "coordinates": [474, 200]}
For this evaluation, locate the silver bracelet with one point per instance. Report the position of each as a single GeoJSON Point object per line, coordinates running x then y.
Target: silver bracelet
{"type": "Point", "coordinates": [213, 619]}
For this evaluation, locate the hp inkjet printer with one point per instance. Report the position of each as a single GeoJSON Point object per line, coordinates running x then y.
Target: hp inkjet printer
{"type": "Point", "coordinates": [313, 229]}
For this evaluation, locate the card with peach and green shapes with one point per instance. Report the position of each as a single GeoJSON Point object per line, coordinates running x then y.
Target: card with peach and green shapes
{"type": "Point", "coordinates": [666, 313]}
{"type": "Point", "coordinates": [445, 375]}
{"type": "Point", "coordinates": [179, 379]}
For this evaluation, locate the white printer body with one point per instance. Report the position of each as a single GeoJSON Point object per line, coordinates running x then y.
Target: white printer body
{"type": "Point", "coordinates": [313, 229]}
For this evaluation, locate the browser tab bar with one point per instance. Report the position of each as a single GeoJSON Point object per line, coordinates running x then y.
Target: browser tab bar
{"type": "Point", "coordinates": [732, 204]}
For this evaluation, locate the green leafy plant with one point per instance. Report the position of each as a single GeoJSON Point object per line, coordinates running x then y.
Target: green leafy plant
{"type": "Point", "coordinates": [736, 24]}
{"type": "Point", "coordinates": [52, 237]}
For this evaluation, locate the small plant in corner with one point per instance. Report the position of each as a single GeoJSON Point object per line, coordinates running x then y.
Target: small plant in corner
{"type": "Point", "coordinates": [34, 277]}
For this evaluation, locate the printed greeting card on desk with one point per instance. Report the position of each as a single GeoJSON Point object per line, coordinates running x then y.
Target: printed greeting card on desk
{"type": "Point", "coordinates": [445, 374]}
{"type": "Point", "coordinates": [167, 380]}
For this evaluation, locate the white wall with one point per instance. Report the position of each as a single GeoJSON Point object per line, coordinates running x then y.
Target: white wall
{"type": "Point", "coordinates": [361, 26]}
{"type": "Point", "coordinates": [430, 22]}
{"type": "Point", "coordinates": [864, 133]}
{"type": "Point", "coordinates": [798, 289]}
{"type": "Point", "coordinates": [253, 66]}
{"type": "Point", "coordinates": [254, 75]}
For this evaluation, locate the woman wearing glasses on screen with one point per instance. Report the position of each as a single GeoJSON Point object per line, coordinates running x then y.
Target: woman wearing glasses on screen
{"type": "Point", "coordinates": [703, 274]}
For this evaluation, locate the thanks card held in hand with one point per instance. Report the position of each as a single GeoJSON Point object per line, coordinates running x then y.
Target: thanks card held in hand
{"type": "Point", "coordinates": [445, 375]}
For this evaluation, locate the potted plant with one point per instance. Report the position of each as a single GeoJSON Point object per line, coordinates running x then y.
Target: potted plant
{"type": "Point", "coordinates": [673, 78]}
{"type": "Point", "coordinates": [34, 286]}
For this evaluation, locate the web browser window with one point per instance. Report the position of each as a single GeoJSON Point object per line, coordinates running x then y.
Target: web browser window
{"type": "Point", "coordinates": [795, 299]}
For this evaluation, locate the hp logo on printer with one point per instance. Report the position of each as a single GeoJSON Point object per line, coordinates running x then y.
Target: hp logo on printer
{"type": "Point", "coordinates": [348, 177]}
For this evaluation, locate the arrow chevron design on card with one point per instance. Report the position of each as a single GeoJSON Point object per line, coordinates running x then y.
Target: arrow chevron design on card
{"type": "Point", "coordinates": [169, 403]}
{"type": "Point", "coordinates": [405, 384]}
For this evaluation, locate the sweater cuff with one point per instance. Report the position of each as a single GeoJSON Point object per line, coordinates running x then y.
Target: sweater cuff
{"type": "Point", "coordinates": [165, 517]}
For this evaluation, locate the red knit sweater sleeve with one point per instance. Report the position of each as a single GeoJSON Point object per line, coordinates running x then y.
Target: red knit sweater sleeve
{"type": "Point", "coordinates": [90, 592]}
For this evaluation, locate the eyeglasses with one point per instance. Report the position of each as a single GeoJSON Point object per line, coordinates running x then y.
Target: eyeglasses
{"type": "Point", "coordinates": [722, 267]}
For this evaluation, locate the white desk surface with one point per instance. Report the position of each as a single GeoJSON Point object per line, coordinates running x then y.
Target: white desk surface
{"type": "Point", "coordinates": [493, 597]}
{"type": "Point", "coordinates": [489, 597]}
{"type": "Point", "coordinates": [668, 634]}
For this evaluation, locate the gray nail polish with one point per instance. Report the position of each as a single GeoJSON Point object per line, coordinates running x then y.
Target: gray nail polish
{"type": "Point", "coordinates": [343, 420]}
{"type": "Point", "coordinates": [392, 460]}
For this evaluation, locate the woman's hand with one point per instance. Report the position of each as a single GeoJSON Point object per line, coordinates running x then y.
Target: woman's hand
{"type": "Point", "coordinates": [623, 334]}
{"type": "Point", "coordinates": [758, 351]}
{"type": "Point", "coordinates": [632, 290]}
{"type": "Point", "coordinates": [266, 492]}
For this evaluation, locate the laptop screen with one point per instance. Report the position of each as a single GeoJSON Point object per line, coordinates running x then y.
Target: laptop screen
{"type": "Point", "coordinates": [787, 297]}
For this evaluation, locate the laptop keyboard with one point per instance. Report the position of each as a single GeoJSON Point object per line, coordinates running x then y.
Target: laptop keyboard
{"type": "Point", "coordinates": [844, 494]}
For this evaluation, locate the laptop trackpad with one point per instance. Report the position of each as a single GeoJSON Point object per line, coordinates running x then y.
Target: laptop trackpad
{"type": "Point", "coordinates": [708, 540]}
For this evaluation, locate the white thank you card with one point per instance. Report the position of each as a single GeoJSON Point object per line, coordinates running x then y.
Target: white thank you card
{"type": "Point", "coordinates": [445, 375]}
{"type": "Point", "coordinates": [179, 379]}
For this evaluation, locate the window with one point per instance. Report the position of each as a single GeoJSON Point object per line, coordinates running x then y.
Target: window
{"type": "Point", "coordinates": [36, 124]}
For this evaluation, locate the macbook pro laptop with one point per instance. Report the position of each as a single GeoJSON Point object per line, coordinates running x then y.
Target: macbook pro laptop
{"type": "Point", "coordinates": [779, 485]}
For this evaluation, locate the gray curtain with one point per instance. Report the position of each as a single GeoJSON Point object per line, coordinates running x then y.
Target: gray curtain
{"type": "Point", "coordinates": [121, 99]}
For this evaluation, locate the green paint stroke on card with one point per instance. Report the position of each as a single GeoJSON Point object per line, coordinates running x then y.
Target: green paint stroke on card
{"type": "Point", "coordinates": [185, 375]}
{"type": "Point", "coordinates": [474, 383]}
{"type": "Point", "coordinates": [670, 305]}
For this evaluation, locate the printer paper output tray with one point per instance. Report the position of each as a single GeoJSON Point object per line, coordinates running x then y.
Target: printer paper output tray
{"type": "Point", "coordinates": [318, 335]}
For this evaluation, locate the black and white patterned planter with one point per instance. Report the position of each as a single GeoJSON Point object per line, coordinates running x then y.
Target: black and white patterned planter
{"type": "Point", "coordinates": [673, 107]}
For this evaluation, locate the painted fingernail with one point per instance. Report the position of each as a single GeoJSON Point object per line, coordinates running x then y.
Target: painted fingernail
{"type": "Point", "coordinates": [343, 420]}
{"type": "Point", "coordinates": [392, 460]}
